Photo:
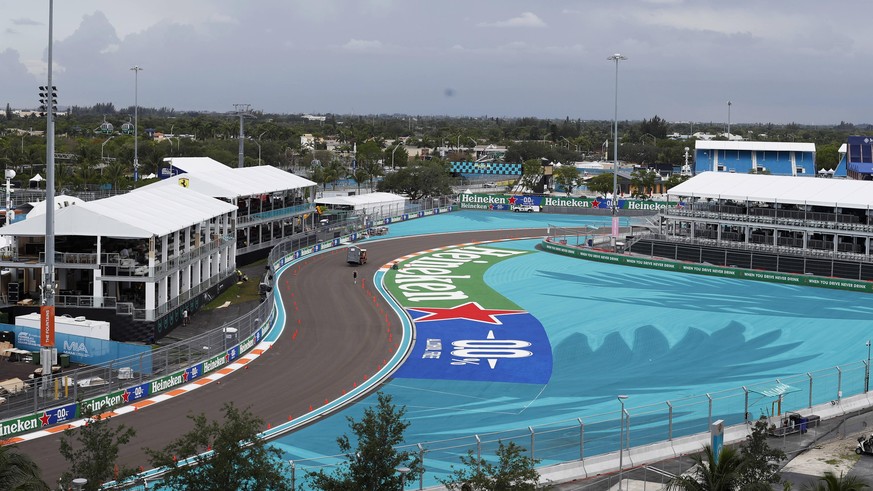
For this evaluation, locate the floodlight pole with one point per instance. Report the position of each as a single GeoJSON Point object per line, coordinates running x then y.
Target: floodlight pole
{"type": "Point", "coordinates": [48, 284]}
{"type": "Point", "coordinates": [616, 57]}
{"type": "Point", "coordinates": [136, 69]}
{"type": "Point", "coordinates": [242, 110]}
{"type": "Point", "coordinates": [729, 121]}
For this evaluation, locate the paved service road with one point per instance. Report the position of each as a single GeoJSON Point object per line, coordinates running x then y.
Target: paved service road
{"type": "Point", "coordinates": [341, 340]}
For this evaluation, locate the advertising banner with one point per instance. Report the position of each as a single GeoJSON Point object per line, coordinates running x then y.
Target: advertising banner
{"type": "Point", "coordinates": [47, 326]}
{"type": "Point", "coordinates": [87, 350]}
{"type": "Point", "coordinates": [497, 202]}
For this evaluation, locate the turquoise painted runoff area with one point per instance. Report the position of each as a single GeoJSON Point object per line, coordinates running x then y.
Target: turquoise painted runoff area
{"type": "Point", "coordinates": [654, 336]}
{"type": "Point", "coordinates": [474, 220]}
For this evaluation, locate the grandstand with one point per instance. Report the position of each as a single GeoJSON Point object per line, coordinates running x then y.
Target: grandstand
{"type": "Point", "coordinates": [821, 227]}
{"type": "Point", "coordinates": [856, 158]}
{"type": "Point", "coordinates": [744, 157]}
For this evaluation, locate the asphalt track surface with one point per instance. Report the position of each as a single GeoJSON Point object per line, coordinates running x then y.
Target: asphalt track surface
{"type": "Point", "coordinates": [335, 337]}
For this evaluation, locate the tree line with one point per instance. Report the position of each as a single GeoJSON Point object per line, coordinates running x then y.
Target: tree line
{"type": "Point", "coordinates": [275, 139]}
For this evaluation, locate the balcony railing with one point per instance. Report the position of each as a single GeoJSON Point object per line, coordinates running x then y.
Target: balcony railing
{"type": "Point", "coordinates": [272, 214]}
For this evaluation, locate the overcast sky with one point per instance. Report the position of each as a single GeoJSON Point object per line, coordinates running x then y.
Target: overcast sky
{"type": "Point", "coordinates": [805, 61]}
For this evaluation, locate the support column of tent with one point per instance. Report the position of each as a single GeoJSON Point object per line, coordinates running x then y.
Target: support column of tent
{"type": "Point", "coordinates": [162, 284]}
{"type": "Point", "coordinates": [150, 300]}
{"type": "Point", "coordinates": [196, 266]}
{"type": "Point", "coordinates": [229, 258]}
{"type": "Point", "coordinates": [186, 269]}
{"type": "Point", "coordinates": [96, 280]}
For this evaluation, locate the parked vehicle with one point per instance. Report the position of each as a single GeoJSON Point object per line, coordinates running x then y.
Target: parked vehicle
{"type": "Point", "coordinates": [525, 208]}
{"type": "Point", "coordinates": [865, 445]}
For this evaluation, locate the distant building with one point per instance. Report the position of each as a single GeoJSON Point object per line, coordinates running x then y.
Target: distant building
{"type": "Point", "coordinates": [744, 157]}
{"type": "Point", "coordinates": [308, 141]}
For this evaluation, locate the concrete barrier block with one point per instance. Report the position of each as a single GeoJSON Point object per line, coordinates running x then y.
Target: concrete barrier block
{"type": "Point", "coordinates": [601, 464]}
{"type": "Point", "coordinates": [564, 472]}
{"type": "Point", "coordinates": [651, 453]}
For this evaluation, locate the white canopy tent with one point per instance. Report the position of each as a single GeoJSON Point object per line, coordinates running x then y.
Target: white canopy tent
{"type": "Point", "coordinates": [212, 178]}
{"type": "Point", "coordinates": [35, 180]}
{"type": "Point", "coordinates": [61, 201]}
{"type": "Point", "coordinates": [151, 211]}
{"type": "Point", "coordinates": [840, 193]}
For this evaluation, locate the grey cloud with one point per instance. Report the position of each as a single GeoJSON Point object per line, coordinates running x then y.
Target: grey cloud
{"type": "Point", "coordinates": [25, 22]}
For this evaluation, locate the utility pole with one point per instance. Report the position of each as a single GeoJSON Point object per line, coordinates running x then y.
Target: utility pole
{"type": "Point", "coordinates": [243, 111]}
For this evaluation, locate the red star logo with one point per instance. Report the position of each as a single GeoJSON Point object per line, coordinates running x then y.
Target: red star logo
{"type": "Point", "coordinates": [595, 204]}
{"type": "Point", "coordinates": [45, 418]}
{"type": "Point", "coordinates": [512, 200]}
{"type": "Point", "coordinates": [185, 376]}
{"type": "Point", "coordinates": [126, 396]}
{"type": "Point", "coordinates": [470, 311]}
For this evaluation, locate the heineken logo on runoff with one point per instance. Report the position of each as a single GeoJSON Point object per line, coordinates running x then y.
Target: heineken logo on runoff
{"type": "Point", "coordinates": [464, 329]}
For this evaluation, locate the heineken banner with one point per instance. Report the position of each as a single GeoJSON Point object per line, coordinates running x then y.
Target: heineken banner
{"type": "Point", "coordinates": [497, 202]}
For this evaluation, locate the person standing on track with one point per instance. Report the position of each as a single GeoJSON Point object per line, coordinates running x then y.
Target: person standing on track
{"type": "Point", "coordinates": [355, 276]}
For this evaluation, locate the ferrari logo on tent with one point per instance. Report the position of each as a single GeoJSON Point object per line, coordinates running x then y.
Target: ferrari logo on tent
{"type": "Point", "coordinates": [184, 182]}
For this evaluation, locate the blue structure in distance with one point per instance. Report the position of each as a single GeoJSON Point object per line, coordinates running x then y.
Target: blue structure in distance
{"type": "Point", "coordinates": [744, 157]}
{"type": "Point", "coordinates": [856, 158]}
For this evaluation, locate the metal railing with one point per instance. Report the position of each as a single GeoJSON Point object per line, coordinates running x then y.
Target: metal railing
{"type": "Point", "coordinates": [272, 214]}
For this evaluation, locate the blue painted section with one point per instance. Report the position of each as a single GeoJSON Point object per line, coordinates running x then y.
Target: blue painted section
{"type": "Point", "coordinates": [59, 415]}
{"type": "Point", "coordinates": [459, 349]}
{"type": "Point", "coordinates": [85, 350]}
{"type": "Point", "coordinates": [137, 392]}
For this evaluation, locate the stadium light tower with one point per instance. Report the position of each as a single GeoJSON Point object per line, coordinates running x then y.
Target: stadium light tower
{"type": "Point", "coordinates": [47, 309]}
{"type": "Point", "coordinates": [616, 57]}
{"type": "Point", "coordinates": [136, 69]}
{"type": "Point", "coordinates": [729, 121]}
{"type": "Point", "coordinates": [243, 111]}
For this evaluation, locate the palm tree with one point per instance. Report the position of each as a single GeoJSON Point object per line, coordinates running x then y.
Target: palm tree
{"type": "Point", "coordinates": [18, 472]}
{"type": "Point", "coordinates": [830, 482]}
{"type": "Point", "coordinates": [115, 173]}
{"type": "Point", "coordinates": [709, 476]}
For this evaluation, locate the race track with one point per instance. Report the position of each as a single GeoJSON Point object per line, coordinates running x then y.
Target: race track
{"type": "Point", "coordinates": [335, 337]}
